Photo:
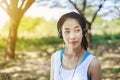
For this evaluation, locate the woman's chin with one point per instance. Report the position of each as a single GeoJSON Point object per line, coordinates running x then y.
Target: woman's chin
{"type": "Point", "coordinates": [73, 46]}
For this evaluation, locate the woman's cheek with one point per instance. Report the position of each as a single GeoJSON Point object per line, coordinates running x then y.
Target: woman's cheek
{"type": "Point", "coordinates": [66, 39]}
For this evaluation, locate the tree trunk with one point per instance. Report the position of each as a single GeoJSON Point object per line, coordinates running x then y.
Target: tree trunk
{"type": "Point", "coordinates": [15, 12]}
{"type": "Point", "coordinates": [89, 34]}
{"type": "Point", "coordinates": [12, 37]}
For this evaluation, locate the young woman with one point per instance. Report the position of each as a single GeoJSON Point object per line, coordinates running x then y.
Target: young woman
{"type": "Point", "coordinates": [74, 62]}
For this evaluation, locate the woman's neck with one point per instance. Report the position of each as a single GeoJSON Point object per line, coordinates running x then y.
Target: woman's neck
{"type": "Point", "coordinates": [74, 52]}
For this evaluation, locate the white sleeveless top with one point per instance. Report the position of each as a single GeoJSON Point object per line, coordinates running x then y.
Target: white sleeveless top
{"type": "Point", "coordinates": [81, 72]}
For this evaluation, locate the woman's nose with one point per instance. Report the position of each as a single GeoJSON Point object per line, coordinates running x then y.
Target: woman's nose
{"type": "Point", "coordinates": [72, 36]}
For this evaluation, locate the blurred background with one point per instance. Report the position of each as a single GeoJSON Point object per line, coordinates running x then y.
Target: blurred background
{"type": "Point", "coordinates": [28, 35]}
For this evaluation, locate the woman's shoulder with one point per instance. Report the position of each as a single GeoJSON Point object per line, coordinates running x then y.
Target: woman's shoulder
{"type": "Point", "coordinates": [94, 66]}
{"type": "Point", "coordinates": [95, 69]}
{"type": "Point", "coordinates": [55, 58]}
{"type": "Point", "coordinates": [95, 62]}
{"type": "Point", "coordinates": [55, 54]}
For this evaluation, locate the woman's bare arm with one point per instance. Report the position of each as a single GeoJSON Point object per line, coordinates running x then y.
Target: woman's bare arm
{"type": "Point", "coordinates": [95, 69]}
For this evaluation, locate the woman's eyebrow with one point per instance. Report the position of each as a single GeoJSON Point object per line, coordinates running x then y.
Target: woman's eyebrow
{"type": "Point", "coordinates": [76, 27]}
{"type": "Point", "coordinates": [66, 28]}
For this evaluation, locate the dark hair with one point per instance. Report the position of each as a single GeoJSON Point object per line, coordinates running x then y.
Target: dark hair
{"type": "Point", "coordinates": [82, 22]}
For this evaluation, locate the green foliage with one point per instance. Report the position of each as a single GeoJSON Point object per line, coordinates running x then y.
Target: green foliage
{"type": "Point", "coordinates": [106, 39]}
{"type": "Point", "coordinates": [104, 27]}
{"type": "Point", "coordinates": [28, 24]}
{"type": "Point", "coordinates": [36, 27]}
{"type": "Point", "coordinates": [38, 44]}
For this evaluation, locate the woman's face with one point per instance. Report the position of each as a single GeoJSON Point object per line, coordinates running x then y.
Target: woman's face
{"type": "Point", "coordinates": [72, 33]}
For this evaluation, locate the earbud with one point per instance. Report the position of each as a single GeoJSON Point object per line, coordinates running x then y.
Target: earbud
{"type": "Point", "coordinates": [84, 31]}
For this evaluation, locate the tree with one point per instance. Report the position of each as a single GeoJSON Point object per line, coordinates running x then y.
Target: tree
{"type": "Point", "coordinates": [15, 10]}
{"type": "Point", "coordinates": [84, 8]}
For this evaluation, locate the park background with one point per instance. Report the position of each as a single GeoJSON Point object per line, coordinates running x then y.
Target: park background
{"type": "Point", "coordinates": [37, 37]}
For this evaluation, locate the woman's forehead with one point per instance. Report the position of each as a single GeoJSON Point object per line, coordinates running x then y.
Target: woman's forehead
{"type": "Point", "coordinates": [71, 23]}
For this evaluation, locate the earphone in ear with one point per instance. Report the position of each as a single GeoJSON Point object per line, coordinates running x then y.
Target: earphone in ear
{"type": "Point", "coordinates": [84, 31]}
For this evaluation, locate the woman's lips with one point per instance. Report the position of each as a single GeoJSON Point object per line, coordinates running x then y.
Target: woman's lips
{"type": "Point", "coordinates": [73, 42]}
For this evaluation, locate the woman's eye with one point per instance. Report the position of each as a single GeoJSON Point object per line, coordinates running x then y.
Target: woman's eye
{"type": "Point", "coordinates": [77, 30]}
{"type": "Point", "coordinates": [66, 32]}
